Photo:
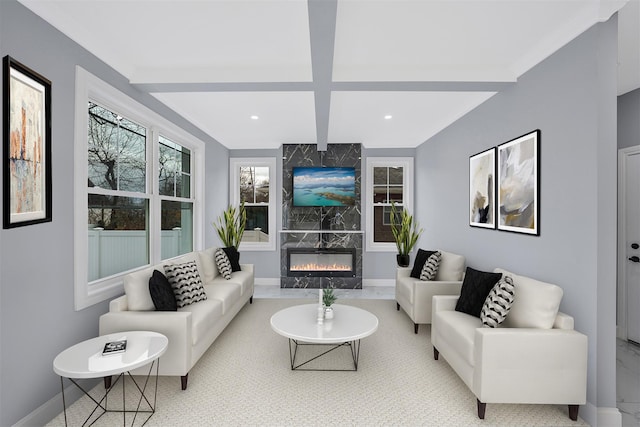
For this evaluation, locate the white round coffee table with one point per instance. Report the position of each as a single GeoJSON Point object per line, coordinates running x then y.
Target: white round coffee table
{"type": "Point", "coordinates": [85, 360]}
{"type": "Point", "coordinates": [348, 326]}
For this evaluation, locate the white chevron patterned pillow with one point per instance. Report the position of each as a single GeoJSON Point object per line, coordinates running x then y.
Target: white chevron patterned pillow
{"type": "Point", "coordinates": [430, 267]}
{"type": "Point", "coordinates": [223, 263]}
{"type": "Point", "coordinates": [185, 282]}
{"type": "Point", "coordinates": [498, 303]}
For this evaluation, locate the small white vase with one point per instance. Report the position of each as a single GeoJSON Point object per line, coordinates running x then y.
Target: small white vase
{"type": "Point", "coordinates": [328, 313]}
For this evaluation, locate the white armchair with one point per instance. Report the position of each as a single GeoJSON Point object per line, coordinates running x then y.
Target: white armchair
{"type": "Point", "coordinates": [414, 295]}
{"type": "Point", "coordinates": [532, 365]}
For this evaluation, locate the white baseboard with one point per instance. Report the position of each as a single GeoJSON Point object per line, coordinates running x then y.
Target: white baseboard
{"type": "Point", "coordinates": [51, 408]}
{"type": "Point", "coordinates": [609, 417]}
{"type": "Point", "coordinates": [378, 282]}
{"type": "Point", "coordinates": [267, 281]}
{"type": "Point", "coordinates": [600, 416]}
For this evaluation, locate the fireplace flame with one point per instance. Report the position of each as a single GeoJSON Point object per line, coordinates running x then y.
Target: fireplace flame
{"type": "Point", "coordinates": [320, 267]}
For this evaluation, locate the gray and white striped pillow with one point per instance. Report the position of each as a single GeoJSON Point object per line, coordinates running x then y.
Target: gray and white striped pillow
{"type": "Point", "coordinates": [185, 282]}
{"type": "Point", "coordinates": [498, 303]}
{"type": "Point", "coordinates": [430, 267]}
{"type": "Point", "coordinates": [223, 263]}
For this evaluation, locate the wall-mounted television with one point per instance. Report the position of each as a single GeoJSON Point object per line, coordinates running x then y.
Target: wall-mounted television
{"type": "Point", "coordinates": [324, 186]}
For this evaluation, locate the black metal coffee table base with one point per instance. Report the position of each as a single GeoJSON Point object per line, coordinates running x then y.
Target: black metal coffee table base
{"type": "Point", "coordinates": [354, 346]}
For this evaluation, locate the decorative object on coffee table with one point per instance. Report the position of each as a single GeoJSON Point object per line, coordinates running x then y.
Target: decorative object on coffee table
{"type": "Point", "coordinates": [405, 233]}
{"type": "Point", "coordinates": [328, 298]}
{"type": "Point", "coordinates": [230, 225]}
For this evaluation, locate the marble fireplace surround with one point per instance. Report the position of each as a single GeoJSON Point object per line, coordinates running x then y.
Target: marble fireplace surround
{"type": "Point", "coordinates": [320, 227]}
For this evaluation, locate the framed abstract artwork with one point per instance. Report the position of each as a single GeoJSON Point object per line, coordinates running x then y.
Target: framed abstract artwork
{"type": "Point", "coordinates": [519, 184]}
{"type": "Point", "coordinates": [26, 149]}
{"type": "Point", "coordinates": [482, 189]}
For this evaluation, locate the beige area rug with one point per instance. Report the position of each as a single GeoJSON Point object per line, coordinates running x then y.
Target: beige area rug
{"type": "Point", "coordinates": [245, 379]}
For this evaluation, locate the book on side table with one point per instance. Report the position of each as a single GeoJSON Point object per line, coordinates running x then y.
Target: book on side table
{"type": "Point", "coordinates": [114, 347]}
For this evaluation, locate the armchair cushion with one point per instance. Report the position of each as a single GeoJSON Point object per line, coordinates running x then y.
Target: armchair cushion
{"type": "Point", "coordinates": [475, 288]}
{"type": "Point", "coordinates": [451, 267]}
{"type": "Point", "coordinates": [430, 268]}
{"type": "Point", "coordinates": [498, 303]}
{"type": "Point", "coordinates": [535, 303]}
{"type": "Point", "coordinates": [421, 259]}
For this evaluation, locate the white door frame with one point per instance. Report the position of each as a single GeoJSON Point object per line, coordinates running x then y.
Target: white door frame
{"type": "Point", "coordinates": [623, 153]}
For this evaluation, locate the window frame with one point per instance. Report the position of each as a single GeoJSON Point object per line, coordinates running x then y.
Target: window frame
{"type": "Point", "coordinates": [90, 88]}
{"type": "Point", "coordinates": [407, 188]}
{"type": "Point", "coordinates": [234, 196]}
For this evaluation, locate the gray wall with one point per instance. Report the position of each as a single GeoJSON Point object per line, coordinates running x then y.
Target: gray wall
{"type": "Point", "coordinates": [37, 316]}
{"type": "Point", "coordinates": [571, 98]}
{"type": "Point", "coordinates": [629, 119]}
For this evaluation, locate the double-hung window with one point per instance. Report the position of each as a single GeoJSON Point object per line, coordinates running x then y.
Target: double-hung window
{"type": "Point", "coordinates": [135, 203]}
{"type": "Point", "coordinates": [253, 184]}
{"type": "Point", "coordinates": [389, 181]}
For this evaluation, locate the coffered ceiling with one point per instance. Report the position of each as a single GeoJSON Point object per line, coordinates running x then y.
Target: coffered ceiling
{"type": "Point", "coordinates": [384, 73]}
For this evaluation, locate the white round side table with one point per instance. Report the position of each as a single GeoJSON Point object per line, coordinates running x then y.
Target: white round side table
{"type": "Point", "coordinates": [85, 360]}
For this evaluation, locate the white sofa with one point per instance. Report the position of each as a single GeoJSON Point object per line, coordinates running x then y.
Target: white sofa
{"type": "Point", "coordinates": [191, 329]}
{"type": "Point", "coordinates": [534, 357]}
{"type": "Point", "coordinates": [414, 295]}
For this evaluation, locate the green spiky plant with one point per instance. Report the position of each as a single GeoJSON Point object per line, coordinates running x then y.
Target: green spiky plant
{"type": "Point", "coordinates": [405, 230]}
{"type": "Point", "coordinates": [328, 297]}
{"type": "Point", "coordinates": [230, 225]}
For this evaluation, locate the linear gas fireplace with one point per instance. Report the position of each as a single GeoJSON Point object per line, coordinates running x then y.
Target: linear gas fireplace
{"type": "Point", "coordinates": [321, 262]}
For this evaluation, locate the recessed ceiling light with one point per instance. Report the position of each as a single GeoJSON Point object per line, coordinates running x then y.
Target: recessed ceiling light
{"type": "Point", "coordinates": [388, 117]}
{"type": "Point", "coordinates": [254, 117]}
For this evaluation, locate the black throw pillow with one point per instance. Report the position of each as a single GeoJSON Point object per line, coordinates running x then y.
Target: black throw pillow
{"type": "Point", "coordinates": [421, 258]}
{"type": "Point", "coordinates": [475, 288]}
{"type": "Point", "coordinates": [162, 293]}
{"type": "Point", "coordinates": [234, 258]}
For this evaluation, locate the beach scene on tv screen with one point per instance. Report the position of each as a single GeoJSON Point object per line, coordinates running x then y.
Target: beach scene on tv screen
{"type": "Point", "coordinates": [324, 186]}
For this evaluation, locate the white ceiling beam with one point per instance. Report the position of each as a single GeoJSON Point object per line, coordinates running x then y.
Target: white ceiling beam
{"type": "Point", "coordinates": [322, 30]}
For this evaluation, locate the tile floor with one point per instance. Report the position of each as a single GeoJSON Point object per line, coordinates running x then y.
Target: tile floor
{"type": "Point", "coordinates": [628, 382]}
{"type": "Point", "coordinates": [627, 354]}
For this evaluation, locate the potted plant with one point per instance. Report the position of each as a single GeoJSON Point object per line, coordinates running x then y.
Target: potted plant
{"type": "Point", "coordinates": [405, 232]}
{"type": "Point", "coordinates": [328, 298]}
{"type": "Point", "coordinates": [230, 225]}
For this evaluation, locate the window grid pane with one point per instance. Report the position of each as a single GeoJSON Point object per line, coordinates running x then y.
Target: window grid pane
{"type": "Point", "coordinates": [116, 151]}
{"type": "Point", "coordinates": [176, 236]}
{"type": "Point", "coordinates": [118, 234]}
{"type": "Point", "coordinates": [174, 175]}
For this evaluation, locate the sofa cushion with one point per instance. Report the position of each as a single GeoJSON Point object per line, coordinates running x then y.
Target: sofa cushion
{"type": "Point", "coordinates": [535, 303]}
{"type": "Point", "coordinates": [451, 267]}
{"type": "Point", "coordinates": [136, 287]}
{"type": "Point", "coordinates": [458, 329]}
{"type": "Point", "coordinates": [430, 267]}
{"type": "Point", "coordinates": [498, 303]}
{"type": "Point", "coordinates": [234, 257]}
{"type": "Point", "coordinates": [242, 278]}
{"type": "Point", "coordinates": [186, 283]}
{"type": "Point", "coordinates": [227, 292]}
{"type": "Point", "coordinates": [162, 293]}
{"type": "Point", "coordinates": [223, 263]}
{"type": "Point", "coordinates": [208, 269]}
{"type": "Point", "coordinates": [475, 288]}
{"type": "Point", "coordinates": [421, 258]}
{"type": "Point", "coordinates": [204, 315]}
